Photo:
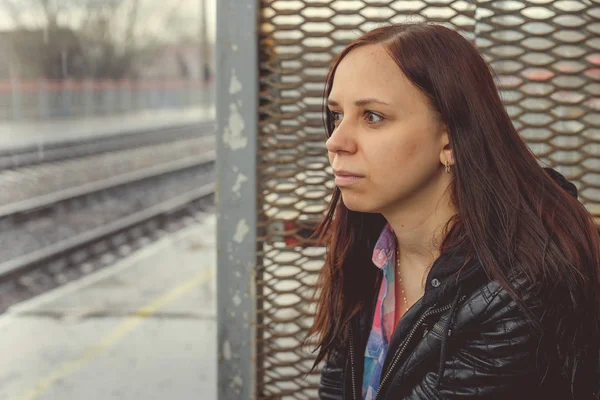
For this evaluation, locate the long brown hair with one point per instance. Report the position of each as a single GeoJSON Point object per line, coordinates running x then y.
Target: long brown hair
{"type": "Point", "coordinates": [511, 215]}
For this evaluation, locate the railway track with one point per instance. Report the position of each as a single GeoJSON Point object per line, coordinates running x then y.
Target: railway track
{"type": "Point", "coordinates": [58, 234]}
{"type": "Point", "coordinates": [73, 148]}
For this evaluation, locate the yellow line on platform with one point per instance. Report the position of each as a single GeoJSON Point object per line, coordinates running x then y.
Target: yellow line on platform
{"type": "Point", "coordinates": [118, 332]}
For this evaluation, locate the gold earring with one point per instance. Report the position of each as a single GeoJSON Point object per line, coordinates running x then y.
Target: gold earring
{"type": "Point", "coordinates": [447, 166]}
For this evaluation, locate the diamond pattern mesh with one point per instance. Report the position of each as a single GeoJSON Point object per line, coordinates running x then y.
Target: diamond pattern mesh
{"type": "Point", "coordinates": [547, 57]}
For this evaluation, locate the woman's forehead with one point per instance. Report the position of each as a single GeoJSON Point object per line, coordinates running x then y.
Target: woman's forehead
{"type": "Point", "coordinates": [370, 72]}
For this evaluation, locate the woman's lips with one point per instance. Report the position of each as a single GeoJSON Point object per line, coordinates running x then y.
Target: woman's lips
{"type": "Point", "coordinates": [343, 178]}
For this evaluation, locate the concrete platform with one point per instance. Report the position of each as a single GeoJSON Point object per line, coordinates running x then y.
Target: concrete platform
{"type": "Point", "coordinates": [14, 135]}
{"type": "Point", "coordinates": [144, 328]}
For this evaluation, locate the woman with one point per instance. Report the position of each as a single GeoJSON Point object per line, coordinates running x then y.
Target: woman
{"type": "Point", "coordinates": [457, 267]}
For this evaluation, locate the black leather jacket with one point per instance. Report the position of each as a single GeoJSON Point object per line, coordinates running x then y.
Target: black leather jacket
{"type": "Point", "coordinates": [465, 338]}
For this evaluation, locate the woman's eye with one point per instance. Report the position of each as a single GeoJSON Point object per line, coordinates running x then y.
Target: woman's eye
{"type": "Point", "coordinates": [373, 118]}
{"type": "Point", "coordinates": [337, 117]}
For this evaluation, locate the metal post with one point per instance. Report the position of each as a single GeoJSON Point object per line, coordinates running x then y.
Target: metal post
{"type": "Point", "coordinates": [237, 106]}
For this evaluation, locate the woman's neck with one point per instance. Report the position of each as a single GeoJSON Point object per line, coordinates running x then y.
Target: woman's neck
{"type": "Point", "coordinates": [419, 231]}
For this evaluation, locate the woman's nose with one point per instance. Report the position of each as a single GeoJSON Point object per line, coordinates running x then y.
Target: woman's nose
{"type": "Point", "coordinates": [340, 141]}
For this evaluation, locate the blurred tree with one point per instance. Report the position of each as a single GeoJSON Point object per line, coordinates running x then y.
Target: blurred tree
{"type": "Point", "coordinates": [97, 39]}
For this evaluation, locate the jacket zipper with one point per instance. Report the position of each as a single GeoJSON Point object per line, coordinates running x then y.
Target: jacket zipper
{"type": "Point", "coordinates": [440, 329]}
{"type": "Point", "coordinates": [352, 366]}
{"type": "Point", "coordinates": [408, 339]}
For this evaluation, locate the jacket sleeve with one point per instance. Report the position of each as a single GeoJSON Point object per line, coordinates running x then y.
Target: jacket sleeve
{"type": "Point", "coordinates": [490, 359]}
{"type": "Point", "coordinates": [331, 385]}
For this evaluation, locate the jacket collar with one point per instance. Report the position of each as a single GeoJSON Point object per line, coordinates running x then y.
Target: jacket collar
{"type": "Point", "coordinates": [449, 272]}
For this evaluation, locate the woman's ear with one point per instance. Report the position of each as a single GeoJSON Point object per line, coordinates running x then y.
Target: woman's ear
{"type": "Point", "coordinates": [446, 154]}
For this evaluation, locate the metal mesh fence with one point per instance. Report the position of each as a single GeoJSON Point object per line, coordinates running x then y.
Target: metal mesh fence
{"type": "Point", "coordinates": [547, 57]}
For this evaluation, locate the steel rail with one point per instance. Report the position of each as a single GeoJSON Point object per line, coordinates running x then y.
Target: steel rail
{"type": "Point", "coordinates": [14, 267]}
{"type": "Point", "coordinates": [74, 148]}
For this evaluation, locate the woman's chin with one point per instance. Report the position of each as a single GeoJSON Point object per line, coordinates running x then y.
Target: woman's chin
{"type": "Point", "coordinates": [357, 203]}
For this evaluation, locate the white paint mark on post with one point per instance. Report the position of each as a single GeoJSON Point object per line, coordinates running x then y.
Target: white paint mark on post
{"type": "Point", "coordinates": [227, 350]}
{"type": "Point", "coordinates": [241, 178]}
{"type": "Point", "coordinates": [236, 381]}
{"type": "Point", "coordinates": [237, 300]}
{"type": "Point", "coordinates": [233, 133]}
{"type": "Point", "coordinates": [235, 86]}
{"type": "Point", "coordinates": [241, 231]}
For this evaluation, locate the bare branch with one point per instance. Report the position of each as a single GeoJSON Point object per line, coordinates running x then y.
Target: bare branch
{"type": "Point", "coordinates": [132, 20]}
{"type": "Point", "coordinates": [13, 10]}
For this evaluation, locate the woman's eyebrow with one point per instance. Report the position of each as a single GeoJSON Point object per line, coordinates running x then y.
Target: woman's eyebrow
{"type": "Point", "coordinates": [358, 103]}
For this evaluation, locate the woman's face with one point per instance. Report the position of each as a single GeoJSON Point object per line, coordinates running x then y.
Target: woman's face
{"type": "Point", "coordinates": [387, 148]}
